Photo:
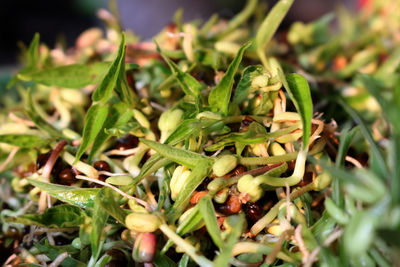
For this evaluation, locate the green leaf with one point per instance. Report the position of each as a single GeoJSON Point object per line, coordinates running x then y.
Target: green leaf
{"type": "Point", "coordinates": [190, 127]}
{"type": "Point", "coordinates": [270, 24]}
{"type": "Point", "coordinates": [376, 153]}
{"type": "Point", "coordinates": [60, 216]}
{"type": "Point", "coordinates": [224, 257]}
{"type": "Point", "coordinates": [154, 163]}
{"type": "Point", "coordinates": [220, 96]}
{"type": "Point", "coordinates": [184, 261]}
{"type": "Point", "coordinates": [190, 223]}
{"type": "Point", "coordinates": [199, 172]}
{"type": "Point", "coordinates": [299, 91]}
{"type": "Point", "coordinates": [69, 76]}
{"type": "Point", "coordinates": [120, 114]}
{"type": "Point", "coordinates": [126, 93]}
{"type": "Point", "coordinates": [103, 92]}
{"type": "Point", "coordinates": [244, 87]}
{"type": "Point", "coordinates": [23, 140]}
{"type": "Point", "coordinates": [161, 260]}
{"type": "Point", "coordinates": [94, 120]}
{"type": "Point", "coordinates": [32, 60]}
{"type": "Point", "coordinates": [345, 140]}
{"type": "Point", "coordinates": [53, 251]}
{"type": "Point", "coordinates": [187, 82]}
{"type": "Point", "coordinates": [108, 200]}
{"type": "Point", "coordinates": [81, 197]}
{"type": "Point", "coordinates": [99, 221]}
{"type": "Point", "coordinates": [187, 158]}
{"type": "Point", "coordinates": [208, 213]}
{"type": "Point", "coordinates": [33, 51]}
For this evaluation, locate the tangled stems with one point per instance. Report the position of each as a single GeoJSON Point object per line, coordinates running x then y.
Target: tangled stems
{"type": "Point", "coordinates": [253, 247]}
{"type": "Point", "coordinates": [294, 179]}
{"type": "Point", "coordinates": [273, 212]}
{"type": "Point", "coordinates": [185, 246]}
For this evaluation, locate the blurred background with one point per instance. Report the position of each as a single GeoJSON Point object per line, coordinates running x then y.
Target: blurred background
{"type": "Point", "coordinates": [65, 20]}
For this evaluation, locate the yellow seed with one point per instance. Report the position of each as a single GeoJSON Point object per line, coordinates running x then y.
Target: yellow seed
{"type": "Point", "coordinates": [224, 164]}
{"type": "Point", "coordinates": [141, 222]}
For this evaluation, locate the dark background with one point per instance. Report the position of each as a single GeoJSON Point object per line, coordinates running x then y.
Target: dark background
{"type": "Point", "coordinates": [65, 20]}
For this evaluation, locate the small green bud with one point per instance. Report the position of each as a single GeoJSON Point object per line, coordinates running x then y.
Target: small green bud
{"type": "Point", "coordinates": [224, 164]}
{"type": "Point", "coordinates": [191, 240]}
{"type": "Point", "coordinates": [208, 115]}
{"type": "Point", "coordinates": [134, 206]}
{"type": "Point", "coordinates": [216, 184]}
{"type": "Point", "coordinates": [76, 243]}
{"type": "Point", "coordinates": [259, 81]}
{"type": "Point", "coordinates": [168, 122]}
{"type": "Point", "coordinates": [144, 248]}
{"type": "Point", "coordinates": [141, 222]}
{"type": "Point", "coordinates": [289, 138]}
{"type": "Point", "coordinates": [322, 181]}
{"type": "Point", "coordinates": [170, 119]}
{"type": "Point", "coordinates": [143, 121]}
{"type": "Point", "coordinates": [188, 213]}
{"type": "Point", "coordinates": [247, 185]}
{"type": "Point", "coordinates": [222, 195]}
{"type": "Point", "coordinates": [178, 180]}
{"type": "Point", "coordinates": [16, 185]}
{"type": "Point", "coordinates": [119, 180]}
{"type": "Point", "coordinates": [286, 116]}
{"type": "Point", "coordinates": [276, 149]}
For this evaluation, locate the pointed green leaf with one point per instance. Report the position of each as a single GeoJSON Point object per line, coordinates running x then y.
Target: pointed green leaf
{"type": "Point", "coordinates": [104, 91]}
{"type": "Point", "coordinates": [154, 163]}
{"type": "Point", "coordinates": [221, 94]}
{"type": "Point", "coordinates": [23, 140]}
{"type": "Point", "coordinates": [377, 154]}
{"type": "Point", "coordinates": [299, 92]}
{"type": "Point", "coordinates": [244, 87]}
{"type": "Point", "coordinates": [99, 221]}
{"type": "Point", "coordinates": [94, 120]}
{"type": "Point", "coordinates": [108, 200]}
{"type": "Point", "coordinates": [187, 82]}
{"type": "Point", "coordinates": [69, 76]}
{"type": "Point", "coordinates": [81, 197]}
{"type": "Point", "coordinates": [120, 114]}
{"type": "Point", "coordinates": [224, 257]}
{"type": "Point", "coordinates": [60, 216]}
{"type": "Point", "coordinates": [181, 156]}
{"type": "Point", "coordinates": [346, 138]}
{"type": "Point", "coordinates": [271, 23]}
{"type": "Point", "coordinates": [208, 213]}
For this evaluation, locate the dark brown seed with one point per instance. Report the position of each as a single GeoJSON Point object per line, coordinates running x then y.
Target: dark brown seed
{"type": "Point", "coordinates": [66, 177]}
{"type": "Point", "coordinates": [118, 258]}
{"type": "Point", "coordinates": [247, 120]}
{"type": "Point", "coordinates": [13, 233]}
{"type": "Point", "coordinates": [115, 253]}
{"type": "Point", "coordinates": [231, 206]}
{"type": "Point", "coordinates": [101, 165]}
{"type": "Point", "coordinates": [127, 142]}
{"type": "Point", "coordinates": [253, 211]}
{"type": "Point", "coordinates": [42, 159]}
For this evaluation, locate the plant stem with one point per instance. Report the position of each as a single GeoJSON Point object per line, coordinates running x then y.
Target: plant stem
{"type": "Point", "coordinates": [186, 247]}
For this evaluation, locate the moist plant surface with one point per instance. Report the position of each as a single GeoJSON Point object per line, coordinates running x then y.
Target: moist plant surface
{"type": "Point", "coordinates": [216, 143]}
